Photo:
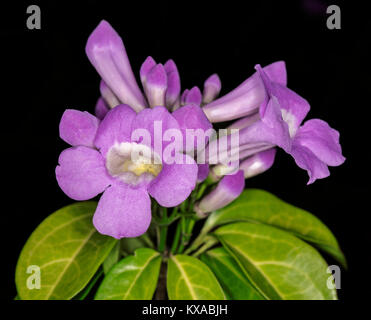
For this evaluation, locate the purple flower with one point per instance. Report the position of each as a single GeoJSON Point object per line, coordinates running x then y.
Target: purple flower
{"type": "Point", "coordinates": [212, 88]}
{"type": "Point", "coordinates": [173, 85]}
{"type": "Point", "coordinates": [314, 145]}
{"type": "Point", "coordinates": [251, 166]}
{"type": "Point", "coordinates": [107, 54]}
{"type": "Point", "coordinates": [277, 121]}
{"type": "Point", "coordinates": [258, 163]}
{"type": "Point", "coordinates": [100, 162]}
{"type": "Point", "coordinates": [246, 98]}
{"type": "Point", "coordinates": [227, 190]}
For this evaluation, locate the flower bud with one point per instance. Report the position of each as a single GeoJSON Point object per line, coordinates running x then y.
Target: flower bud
{"type": "Point", "coordinates": [173, 83]}
{"type": "Point", "coordinates": [156, 85]}
{"type": "Point", "coordinates": [108, 96]}
{"type": "Point", "coordinates": [212, 88]}
{"type": "Point", "coordinates": [258, 163]}
{"type": "Point", "coordinates": [227, 190]}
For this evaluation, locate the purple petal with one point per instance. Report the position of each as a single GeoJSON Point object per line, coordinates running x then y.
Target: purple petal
{"type": "Point", "coordinates": [81, 173]}
{"type": "Point", "coordinates": [101, 109]}
{"type": "Point", "coordinates": [293, 107]}
{"type": "Point", "coordinates": [203, 172]}
{"type": "Point", "coordinates": [115, 128]}
{"type": "Point", "coordinates": [227, 190]}
{"type": "Point", "coordinates": [184, 97]}
{"type": "Point", "coordinates": [250, 150]}
{"type": "Point", "coordinates": [276, 72]}
{"type": "Point", "coordinates": [146, 67]}
{"type": "Point", "coordinates": [174, 183]}
{"type": "Point", "coordinates": [306, 160]}
{"type": "Point", "coordinates": [123, 212]}
{"type": "Point", "coordinates": [212, 88]}
{"type": "Point", "coordinates": [245, 99]}
{"type": "Point", "coordinates": [78, 128]}
{"type": "Point", "coordinates": [258, 163]}
{"type": "Point", "coordinates": [194, 96]}
{"type": "Point", "coordinates": [156, 85]}
{"type": "Point", "coordinates": [191, 117]}
{"type": "Point", "coordinates": [156, 121]}
{"type": "Point", "coordinates": [259, 136]}
{"type": "Point", "coordinates": [173, 83]}
{"type": "Point", "coordinates": [107, 54]}
{"type": "Point", "coordinates": [108, 96]}
{"type": "Point", "coordinates": [170, 66]}
{"type": "Point", "coordinates": [245, 122]}
{"type": "Point", "coordinates": [321, 140]}
{"type": "Point", "coordinates": [273, 130]}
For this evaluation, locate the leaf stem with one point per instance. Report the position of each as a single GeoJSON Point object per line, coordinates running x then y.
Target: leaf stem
{"type": "Point", "coordinates": [208, 244]}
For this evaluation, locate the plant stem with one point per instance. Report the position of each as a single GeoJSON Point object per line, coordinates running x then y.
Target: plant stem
{"type": "Point", "coordinates": [183, 223]}
{"type": "Point", "coordinates": [163, 231]}
{"type": "Point", "coordinates": [173, 215]}
{"type": "Point", "coordinates": [196, 243]}
{"type": "Point", "coordinates": [161, 285]}
{"type": "Point", "coordinates": [147, 240]}
{"type": "Point", "coordinates": [176, 238]}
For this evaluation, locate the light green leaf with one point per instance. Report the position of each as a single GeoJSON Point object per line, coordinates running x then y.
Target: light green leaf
{"type": "Point", "coordinates": [66, 249]}
{"type": "Point", "coordinates": [190, 279]}
{"type": "Point", "coordinates": [278, 264]}
{"type": "Point", "coordinates": [259, 206]}
{"type": "Point", "coordinates": [133, 278]}
{"type": "Point", "coordinates": [112, 258]}
{"type": "Point", "coordinates": [232, 279]}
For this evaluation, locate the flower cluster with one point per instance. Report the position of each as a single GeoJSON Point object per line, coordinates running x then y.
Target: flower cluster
{"type": "Point", "coordinates": [267, 115]}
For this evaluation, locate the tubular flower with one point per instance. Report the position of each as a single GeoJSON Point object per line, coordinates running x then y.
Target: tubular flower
{"type": "Point", "coordinates": [212, 88]}
{"type": "Point", "coordinates": [161, 83]}
{"type": "Point", "coordinates": [314, 145]}
{"type": "Point", "coordinates": [107, 54]}
{"type": "Point", "coordinates": [246, 98]}
{"type": "Point", "coordinates": [276, 122]}
{"type": "Point", "coordinates": [251, 166]}
{"type": "Point", "coordinates": [227, 190]}
{"type": "Point", "coordinates": [100, 161]}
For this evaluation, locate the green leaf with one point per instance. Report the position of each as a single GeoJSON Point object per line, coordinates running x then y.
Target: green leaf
{"type": "Point", "coordinates": [232, 279]}
{"type": "Point", "coordinates": [85, 292]}
{"type": "Point", "coordinates": [67, 250]}
{"type": "Point", "coordinates": [259, 206]}
{"type": "Point", "coordinates": [278, 264]}
{"type": "Point", "coordinates": [190, 279]}
{"type": "Point", "coordinates": [112, 258]}
{"type": "Point", "coordinates": [133, 278]}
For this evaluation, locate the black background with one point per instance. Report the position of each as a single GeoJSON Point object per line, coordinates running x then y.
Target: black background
{"type": "Point", "coordinates": [46, 71]}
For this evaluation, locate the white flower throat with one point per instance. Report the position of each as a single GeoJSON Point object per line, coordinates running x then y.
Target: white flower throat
{"type": "Point", "coordinates": [133, 163]}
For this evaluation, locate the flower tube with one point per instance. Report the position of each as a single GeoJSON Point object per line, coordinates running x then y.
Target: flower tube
{"type": "Point", "coordinates": [227, 190]}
